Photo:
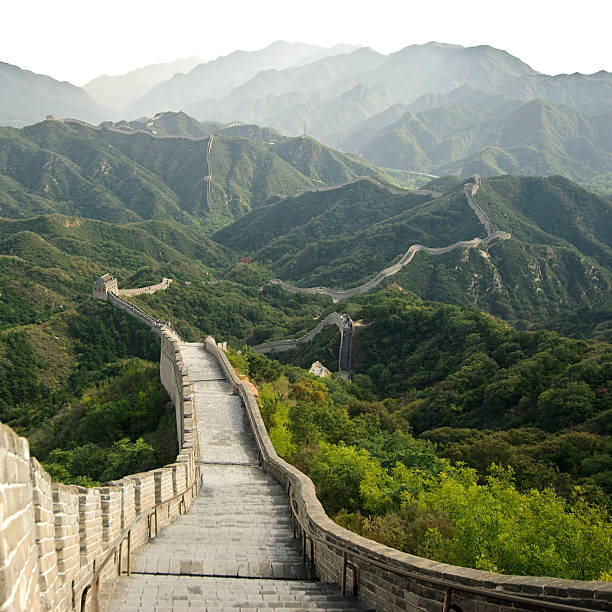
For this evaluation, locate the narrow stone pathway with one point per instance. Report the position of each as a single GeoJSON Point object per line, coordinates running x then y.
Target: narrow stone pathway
{"type": "Point", "coordinates": [235, 549]}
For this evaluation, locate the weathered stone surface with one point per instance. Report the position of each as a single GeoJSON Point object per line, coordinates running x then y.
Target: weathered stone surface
{"type": "Point", "coordinates": [53, 535]}
{"type": "Point", "coordinates": [239, 526]}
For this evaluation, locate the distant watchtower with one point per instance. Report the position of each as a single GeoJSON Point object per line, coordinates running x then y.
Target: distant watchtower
{"type": "Point", "coordinates": [104, 285]}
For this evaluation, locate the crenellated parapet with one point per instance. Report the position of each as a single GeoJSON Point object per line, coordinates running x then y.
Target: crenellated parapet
{"type": "Point", "coordinates": [62, 545]}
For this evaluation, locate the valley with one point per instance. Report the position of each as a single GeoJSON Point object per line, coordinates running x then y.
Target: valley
{"type": "Point", "coordinates": [432, 225]}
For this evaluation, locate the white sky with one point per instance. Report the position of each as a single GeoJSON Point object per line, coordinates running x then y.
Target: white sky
{"type": "Point", "coordinates": [77, 40]}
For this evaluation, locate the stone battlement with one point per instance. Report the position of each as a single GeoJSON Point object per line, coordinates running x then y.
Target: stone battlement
{"type": "Point", "coordinates": [106, 285]}
{"type": "Point", "coordinates": [55, 536]}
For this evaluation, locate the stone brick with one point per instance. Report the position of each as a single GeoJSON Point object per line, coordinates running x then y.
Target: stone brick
{"type": "Point", "coordinates": [110, 505]}
{"type": "Point", "coordinates": [144, 491]}
{"type": "Point", "coordinates": [90, 526]}
{"type": "Point", "coordinates": [163, 485]}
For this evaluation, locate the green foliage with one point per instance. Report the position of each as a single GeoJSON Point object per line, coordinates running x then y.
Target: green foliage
{"type": "Point", "coordinates": [232, 312]}
{"type": "Point", "coordinates": [491, 135]}
{"type": "Point", "coordinates": [20, 386]}
{"type": "Point", "coordinates": [497, 528]}
{"type": "Point", "coordinates": [126, 425]}
{"type": "Point", "coordinates": [238, 361]}
{"type": "Point", "coordinates": [378, 480]}
{"type": "Point", "coordinates": [90, 465]}
{"type": "Point", "coordinates": [341, 236]}
{"type": "Point", "coordinates": [70, 168]}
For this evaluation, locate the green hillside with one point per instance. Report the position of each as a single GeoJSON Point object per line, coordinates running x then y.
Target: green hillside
{"type": "Point", "coordinates": [123, 176]}
{"type": "Point", "coordinates": [520, 435]}
{"type": "Point", "coordinates": [322, 164]}
{"type": "Point", "coordinates": [558, 259]}
{"type": "Point", "coordinates": [48, 263]}
{"type": "Point", "coordinates": [491, 138]}
{"type": "Point", "coordinates": [343, 236]}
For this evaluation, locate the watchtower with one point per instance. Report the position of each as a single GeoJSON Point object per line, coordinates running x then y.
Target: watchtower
{"type": "Point", "coordinates": [104, 285]}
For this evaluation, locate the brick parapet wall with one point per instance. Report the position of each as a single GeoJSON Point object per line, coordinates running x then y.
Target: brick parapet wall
{"type": "Point", "coordinates": [53, 536]}
{"type": "Point", "coordinates": [390, 590]}
{"type": "Point", "coordinates": [18, 549]}
{"type": "Point", "coordinates": [42, 493]}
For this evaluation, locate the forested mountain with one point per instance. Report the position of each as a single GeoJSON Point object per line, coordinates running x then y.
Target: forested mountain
{"type": "Point", "coordinates": [48, 262]}
{"type": "Point", "coordinates": [123, 175]}
{"type": "Point", "coordinates": [559, 257]}
{"type": "Point", "coordinates": [433, 108]}
{"type": "Point", "coordinates": [490, 136]}
{"type": "Point", "coordinates": [26, 97]}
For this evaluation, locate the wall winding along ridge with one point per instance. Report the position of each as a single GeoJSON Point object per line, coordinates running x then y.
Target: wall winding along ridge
{"type": "Point", "coordinates": [337, 295]}
{"type": "Point", "coordinates": [343, 322]}
{"type": "Point", "coordinates": [53, 537]}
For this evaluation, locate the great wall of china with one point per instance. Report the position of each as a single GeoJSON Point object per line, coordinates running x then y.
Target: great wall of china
{"type": "Point", "coordinates": [337, 295]}
{"type": "Point", "coordinates": [345, 325]}
{"type": "Point", "coordinates": [254, 535]}
{"type": "Point", "coordinates": [343, 322]}
{"type": "Point", "coordinates": [61, 544]}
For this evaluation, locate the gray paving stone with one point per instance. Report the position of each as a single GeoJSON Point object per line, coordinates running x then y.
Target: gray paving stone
{"type": "Point", "coordinates": [239, 526]}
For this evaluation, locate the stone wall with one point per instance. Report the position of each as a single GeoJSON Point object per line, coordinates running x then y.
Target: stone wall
{"type": "Point", "coordinates": [54, 537]}
{"type": "Point", "coordinates": [149, 289]}
{"type": "Point", "coordinates": [391, 580]}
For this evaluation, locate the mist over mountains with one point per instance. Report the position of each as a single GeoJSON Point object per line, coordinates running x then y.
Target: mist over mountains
{"type": "Point", "coordinates": [433, 108]}
{"type": "Point", "coordinates": [117, 91]}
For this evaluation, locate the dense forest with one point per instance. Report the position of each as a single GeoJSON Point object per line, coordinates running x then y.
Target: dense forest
{"type": "Point", "coordinates": [92, 411]}
{"type": "Point", "coordinates": [375, 477]}
{"type": "Point", "coordinates": [483, 392]}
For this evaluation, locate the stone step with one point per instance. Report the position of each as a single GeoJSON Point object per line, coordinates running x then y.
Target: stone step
{"type": "Point", "coordinates": [235, 549]}
{"type": "Point", "coordinates": [281, 569]}
{"type": "Point", "coordinates": [140, 592]}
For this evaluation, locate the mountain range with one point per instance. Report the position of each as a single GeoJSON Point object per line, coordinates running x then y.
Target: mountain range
{"type": "Point", "coordinates": [124, 174]}
{"type": "Point", "coordinates": [433, 108]}
{"type": "Point", "coordinates": [26, 97]}
{"type": "Point", "coordinates": [470, 131]}
{"type": "Point", "coordinates": [559, 257]}
{"type": "Point", "coordinates": [118, 91]}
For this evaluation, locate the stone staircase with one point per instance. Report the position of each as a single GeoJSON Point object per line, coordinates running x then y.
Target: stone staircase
{"type": "Point", "coordinates": [235, 549]}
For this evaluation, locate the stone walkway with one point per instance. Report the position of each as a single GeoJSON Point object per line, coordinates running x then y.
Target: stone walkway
{"type": "Point", "coordinates": [235, 549]}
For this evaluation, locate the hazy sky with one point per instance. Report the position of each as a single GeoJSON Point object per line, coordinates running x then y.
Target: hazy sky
{"type": "Point", "coordinates": [77, 40]}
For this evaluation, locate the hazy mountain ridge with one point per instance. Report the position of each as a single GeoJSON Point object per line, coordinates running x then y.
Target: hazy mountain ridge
{"type": "Point", "coordinates": [355, 96]}
{"type": "Point", "coordinates": [492, 137]}
{"type": "Point", "coordinates": [218, 77]}
{"type": "Point", "coordinates": [27, 97]}
{"type": "Point", "coordinates": [117, 91]}
{"type": "Point", "coordinates": [406, 75]}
